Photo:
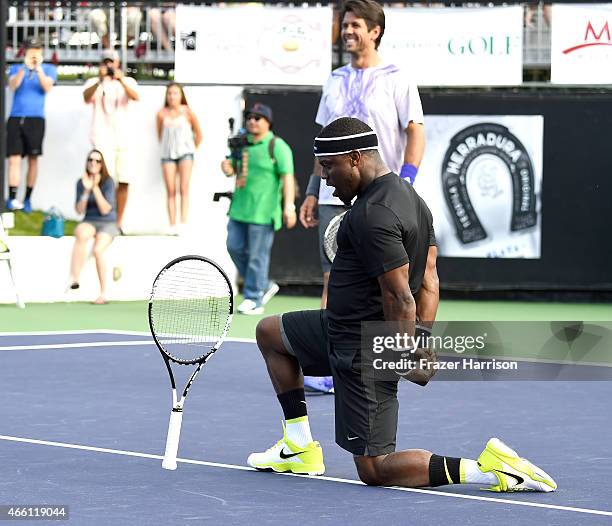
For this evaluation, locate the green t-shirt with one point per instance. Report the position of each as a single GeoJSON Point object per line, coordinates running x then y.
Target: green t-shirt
{"type": "Point", "coordinates": [259, 201]}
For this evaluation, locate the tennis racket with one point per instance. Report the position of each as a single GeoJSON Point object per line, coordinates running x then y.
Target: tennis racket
{"type": "Point", "coordinates": [330, 241]}
{"type": "Point", "coordinates": [190, 312]}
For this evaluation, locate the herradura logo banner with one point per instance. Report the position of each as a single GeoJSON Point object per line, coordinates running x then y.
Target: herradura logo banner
{"type": "Point", "coordinates": [581, 46]}
{"type": "Point", "coordinates": [484, 184]}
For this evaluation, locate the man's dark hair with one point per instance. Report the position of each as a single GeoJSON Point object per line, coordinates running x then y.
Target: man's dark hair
{"type": "Point", "coordinates": [344, 126]}
{"type": "Point", "coordinates": [33, 43]}
{"type": "Point", "coordinates": [370, 10]}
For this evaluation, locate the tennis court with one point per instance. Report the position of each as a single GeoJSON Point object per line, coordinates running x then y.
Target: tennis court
{"type": "Point", "coordinates": [85, 414]}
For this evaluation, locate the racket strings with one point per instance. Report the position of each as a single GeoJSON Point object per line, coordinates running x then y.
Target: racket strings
{"type": "Point", "coordinates": [190, 309]}
{"type": "Point", "coordinates": [330, 238]}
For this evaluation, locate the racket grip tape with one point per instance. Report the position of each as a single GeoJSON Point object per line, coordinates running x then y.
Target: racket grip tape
{"type": "Point", "coordinates": [172, 441]}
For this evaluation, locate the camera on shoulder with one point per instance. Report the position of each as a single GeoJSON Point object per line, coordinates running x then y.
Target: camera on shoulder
{"type": "Point", "coordinates": [237, 142]}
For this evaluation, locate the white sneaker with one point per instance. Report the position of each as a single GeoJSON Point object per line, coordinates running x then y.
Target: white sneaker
{"type": "Point", "coordinates": [250, 307]}
{"type": "Point", "coordinates": [287, 456]}
{"type": "Point", "coordinates": [513, 472]}
{"type": "Point", "coordinates": [270, 293]}
{"type": "Point", "coordinates": [14, 204]}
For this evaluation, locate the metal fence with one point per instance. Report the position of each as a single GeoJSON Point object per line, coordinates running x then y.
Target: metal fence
{"type": "Point", "coordinates": [74, 32]}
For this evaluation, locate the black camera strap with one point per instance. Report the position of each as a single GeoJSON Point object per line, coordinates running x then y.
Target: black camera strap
{"type": "Point", "coordinates": [271, 145]}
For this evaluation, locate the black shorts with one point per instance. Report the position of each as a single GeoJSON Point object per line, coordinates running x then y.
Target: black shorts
{"type": "Point", "coordinates": [24, 136]}
{"type": "Point", "coordinates": [366, 411]}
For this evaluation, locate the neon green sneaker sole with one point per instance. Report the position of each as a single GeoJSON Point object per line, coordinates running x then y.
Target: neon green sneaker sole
{"type": "Point", "coordinates": [285, 456]}
{"type": "Point", "coordinates": [513, 472]}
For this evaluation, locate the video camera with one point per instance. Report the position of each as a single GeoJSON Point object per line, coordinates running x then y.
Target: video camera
{"type": "Point", "coordinates": [236, 142]}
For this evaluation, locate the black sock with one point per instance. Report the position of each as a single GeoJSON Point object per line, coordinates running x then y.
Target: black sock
{"type": "Point", "coordinates": [12, 192]}
{"type": "Point", "coordinates": [443, 471]}
{"type": "Point", "coordinates": [293, 404]}
{"type": "Point", "coordinates": [29, 192]}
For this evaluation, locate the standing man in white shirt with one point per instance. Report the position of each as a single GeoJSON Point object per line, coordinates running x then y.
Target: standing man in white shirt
{"type": "Point", "coordinates": [110, 94]}
{"type": "Point", "coordinates": [378, 93]}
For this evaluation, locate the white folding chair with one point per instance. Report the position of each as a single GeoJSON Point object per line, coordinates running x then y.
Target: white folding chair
{"type": "Point", "coordinates": [5, 255]}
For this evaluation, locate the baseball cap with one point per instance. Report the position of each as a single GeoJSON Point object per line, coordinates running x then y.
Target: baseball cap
{"type": "Point", "coordinates": [33, 43]}
{"type": "Point", "coordinates": [109, 54]}
{"type": "Point", "coordinates": [260, 109]}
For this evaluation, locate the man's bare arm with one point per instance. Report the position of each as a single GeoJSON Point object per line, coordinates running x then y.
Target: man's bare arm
{"type": "Point", "coordinates": [16, 79]}
{"type": "Point", "coordinates": [398, 303]}
{"type": "Point", "coordinates": [400, 307]}
{"type": "Point", "coordinates": [88, 93]}
{"type": "Point", "coordinates": [428, 297]}
{"type": "Point", "coordinates": [415, 144]}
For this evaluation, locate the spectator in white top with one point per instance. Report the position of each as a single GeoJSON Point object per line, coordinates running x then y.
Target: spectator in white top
{"type": "Point", "coordinates": [110, 95]}
{"type": "Point", "coordinates": [179, 132]}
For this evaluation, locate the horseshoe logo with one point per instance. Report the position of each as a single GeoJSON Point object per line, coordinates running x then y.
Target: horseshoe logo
{"type": "Point", "coordinates": [464, 148]}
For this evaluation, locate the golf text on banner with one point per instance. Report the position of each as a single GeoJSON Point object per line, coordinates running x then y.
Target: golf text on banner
{"type": "Point", "coordinates": [450, 47]}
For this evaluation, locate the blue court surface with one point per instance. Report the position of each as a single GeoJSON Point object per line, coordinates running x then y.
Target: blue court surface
{"type": "Point", "coordinates": [84, 417]}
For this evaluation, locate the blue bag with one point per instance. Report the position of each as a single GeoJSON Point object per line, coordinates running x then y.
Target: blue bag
{"type": "Point", "coordinates": [53, 225]}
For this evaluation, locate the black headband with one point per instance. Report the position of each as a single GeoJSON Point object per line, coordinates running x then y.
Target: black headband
{"type": "Point", "coordinates": [345, 144]}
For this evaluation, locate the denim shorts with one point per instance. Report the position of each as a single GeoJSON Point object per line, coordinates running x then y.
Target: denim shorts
{"type": "Point", "coordinates": [104, 227]}
{"type": "Point", "coordinates": [186, 157]}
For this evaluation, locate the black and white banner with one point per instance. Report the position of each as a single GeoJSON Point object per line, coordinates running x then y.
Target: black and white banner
{"type": "Point", "coordinates": [482, 178]}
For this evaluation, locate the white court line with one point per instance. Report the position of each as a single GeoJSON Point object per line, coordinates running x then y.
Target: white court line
{"type": "Point", "coordinates": [91, 331]}
{"type": "Point", "coordinates": [74, 345]}
{"type": "Point", "coordinates": [98, 331]}
{"type": "Point", "coordinates": [239, 340]}
{"type": "Point", "coordinates": [53, 333]}
{"type": "Point", "coordinates": [128, 343]}
{"type": "Point", "coordinates": [47, 346]}
{"type": "Point", "coordinates": [330, 479]}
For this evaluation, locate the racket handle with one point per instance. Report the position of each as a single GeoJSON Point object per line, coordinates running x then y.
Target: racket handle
{"type": "Point", "coordinates": [172, 441]}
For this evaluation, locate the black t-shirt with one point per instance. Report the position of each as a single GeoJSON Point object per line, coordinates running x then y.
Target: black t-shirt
{"type": "Point", "coordinates": [388, 226]}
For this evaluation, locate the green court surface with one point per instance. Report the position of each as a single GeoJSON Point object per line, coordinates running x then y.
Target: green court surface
{"type": "Point", "coordinates": [132, 315]}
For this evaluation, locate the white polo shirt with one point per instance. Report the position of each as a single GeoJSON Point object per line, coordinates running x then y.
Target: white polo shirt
{"type": "Point", "coordinates": [381, 96]}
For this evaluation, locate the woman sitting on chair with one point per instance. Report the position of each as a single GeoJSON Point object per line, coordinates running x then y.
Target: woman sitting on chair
{"type": "Point", "coordinates": [96, 199]}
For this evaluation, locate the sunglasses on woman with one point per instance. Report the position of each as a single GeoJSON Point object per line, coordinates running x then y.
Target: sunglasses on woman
{"type": "Point", "coordinates": [94, 160]}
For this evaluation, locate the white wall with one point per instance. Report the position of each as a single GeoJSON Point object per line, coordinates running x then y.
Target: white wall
{"type": "Point", "coordinates": [66, 145]}
{"type": "Point", "coordinates": [42, 264]}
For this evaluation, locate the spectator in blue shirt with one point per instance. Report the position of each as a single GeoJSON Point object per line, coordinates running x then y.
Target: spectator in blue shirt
{"type": "Point", "coordinates": [95, 197]}
{"type": "Point", "coordinates": [25, 129]}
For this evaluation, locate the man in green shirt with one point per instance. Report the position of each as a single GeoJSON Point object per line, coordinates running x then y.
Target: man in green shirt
{"type": "Point", "coordinates": [265, 171]}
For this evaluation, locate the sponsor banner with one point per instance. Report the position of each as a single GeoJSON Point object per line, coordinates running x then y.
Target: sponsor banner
{"type": "Point", "coordinates": [581, 44]}
{"type": "Point", "coordinates": [453, 47]}
{"type": "Point", "coordinates": [253, 44]}
{"type": "Point", "coordinates": [482, 177]}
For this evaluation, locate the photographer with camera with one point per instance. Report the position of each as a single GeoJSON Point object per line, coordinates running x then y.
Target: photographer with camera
{"type": "Point", "coordinates": [110, 94]}
{"type": "Point", "coordinates": [262, 164]}
{"type": "Point", "coordinates": [25, 128]}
